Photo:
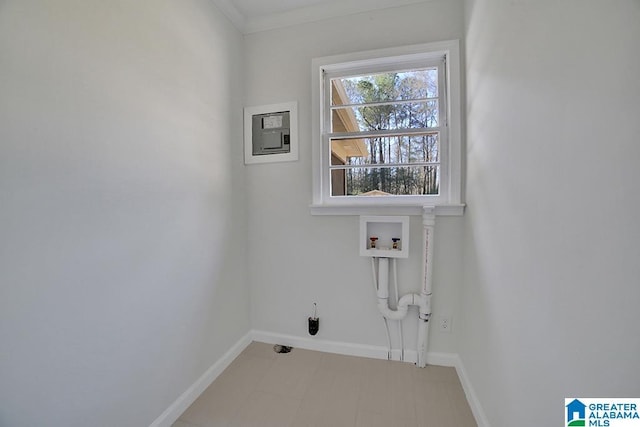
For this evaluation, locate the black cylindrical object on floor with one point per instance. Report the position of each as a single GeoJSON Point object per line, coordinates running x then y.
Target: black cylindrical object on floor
{"type": "Point", "coordinates": [314, 325]}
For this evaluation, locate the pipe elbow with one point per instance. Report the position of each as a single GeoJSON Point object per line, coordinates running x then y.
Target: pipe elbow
{"type": "Point", "coordinates": [407, 300]}
{"type": "Point", "coordinates": [399, 314]}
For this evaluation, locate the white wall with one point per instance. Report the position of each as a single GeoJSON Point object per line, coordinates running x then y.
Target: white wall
{"type": "Point", "coordinates": [551, 236]}
{"type": "Point", "coordinates": [120, 278]}
{"type": "Point", "coordinates": [297, 259]}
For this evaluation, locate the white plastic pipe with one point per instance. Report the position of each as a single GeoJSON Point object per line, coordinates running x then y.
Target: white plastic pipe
{"type": "Point", "coordinates": [403, 306]}
{"type": "Point", "coordinates": [397, 299]}
{"type": "Point", "coordinates": [383, 279]}
{"type": "Point", "coordinates": [374, 270]}
{"type": "Point", "coordinates": [428, 227]}
{"type": "Point", "coordinates": [422, 300]}
{"type": "Point", "coordinates": [383, 294]}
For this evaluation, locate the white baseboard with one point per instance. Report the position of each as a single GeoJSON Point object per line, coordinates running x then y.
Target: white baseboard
{"type": "Point", "coordinates": [350, 349]}
{"type": "Point", "coordinates": [173, 412]}
{"type": "Point", "coordinates": [472, 398]}
{"type": "Point", "coordinates": [181, 404]}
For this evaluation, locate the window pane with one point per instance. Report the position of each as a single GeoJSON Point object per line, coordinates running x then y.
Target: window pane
{"type": "Point", "coordinates": [404, 180]}
{"type": "Point", "coordinates": [394, 86]}
{"type": "Point", "coordinates": [385, 117]}
{"type": "Point", "coordinates": [422, 148]}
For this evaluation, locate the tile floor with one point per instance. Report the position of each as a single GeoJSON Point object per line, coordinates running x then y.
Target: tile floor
{"type": "Point", "coordinates": [305, 388]}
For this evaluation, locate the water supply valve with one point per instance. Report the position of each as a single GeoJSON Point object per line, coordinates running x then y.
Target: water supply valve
{"type": "Point", "coordinates": [395, 241]}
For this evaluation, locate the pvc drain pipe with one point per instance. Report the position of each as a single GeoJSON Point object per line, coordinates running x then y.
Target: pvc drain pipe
{"type": "Point", "coordinates": [422, 300]}
{"type": "Point", "coordinates": [428, 228]}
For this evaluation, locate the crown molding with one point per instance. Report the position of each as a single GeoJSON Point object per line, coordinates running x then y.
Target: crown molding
{"type": "Point", "coordinates": [232, 13]}
{"type": "Point", "coordinates": [304, 15]}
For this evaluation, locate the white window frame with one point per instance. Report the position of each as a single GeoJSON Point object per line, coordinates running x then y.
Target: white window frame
{"type": "Point", "coordinates": [449, 201]}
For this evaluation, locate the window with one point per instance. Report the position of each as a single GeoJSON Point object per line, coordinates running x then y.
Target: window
{"type": "Point", "coordinates": [387, 129]}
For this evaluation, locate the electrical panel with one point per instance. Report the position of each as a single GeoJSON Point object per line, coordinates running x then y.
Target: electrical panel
{"type": "Point", "coordinates": [270, 133]}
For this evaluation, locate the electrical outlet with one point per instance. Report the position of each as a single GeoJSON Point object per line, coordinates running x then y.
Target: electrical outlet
{"type": "Point", "coordinates": [445, 324]}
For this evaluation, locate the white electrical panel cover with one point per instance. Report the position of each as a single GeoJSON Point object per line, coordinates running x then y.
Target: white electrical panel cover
{"type": "Point", "coordinates": [271, 133]}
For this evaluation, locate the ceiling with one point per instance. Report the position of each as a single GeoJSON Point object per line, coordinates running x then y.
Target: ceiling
{"type": "Point", "coordinates": [251, 16]}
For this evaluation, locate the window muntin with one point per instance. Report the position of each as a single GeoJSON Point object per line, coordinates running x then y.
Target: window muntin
{"type": "Point", "coordinates": [384, 135]}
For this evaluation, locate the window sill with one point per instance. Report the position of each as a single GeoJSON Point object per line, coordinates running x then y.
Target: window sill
{"type": "Point", "coordinates": [440, 210]}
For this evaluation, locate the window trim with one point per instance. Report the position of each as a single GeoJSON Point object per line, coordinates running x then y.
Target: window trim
{"type": "Point", "coordinates": [449, 202]}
